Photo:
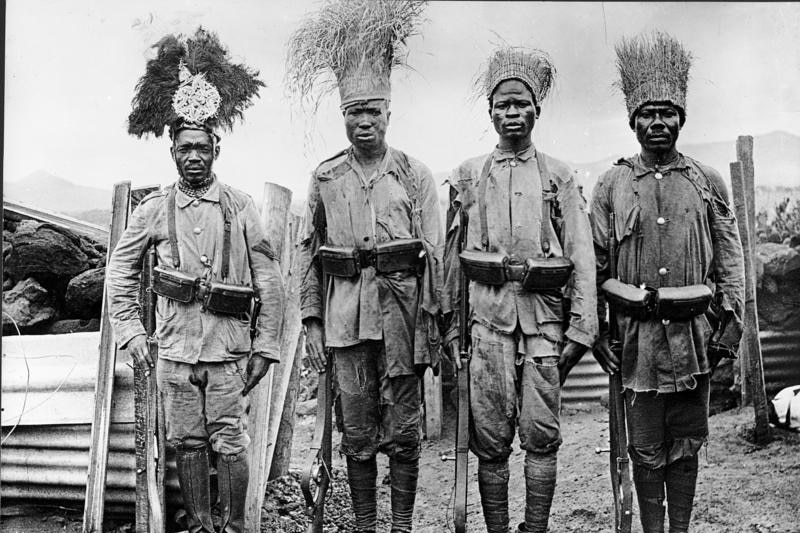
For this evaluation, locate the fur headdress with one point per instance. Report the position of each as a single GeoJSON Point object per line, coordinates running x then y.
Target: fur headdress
{"type": "Point", "coordinates": [352, 45]}
{"type": "Point", "coordinates": [533, 67]}
{"type": "Point", "coordinates": [653, 68]}
{"type": "Point", "coordinates": [191, 83]}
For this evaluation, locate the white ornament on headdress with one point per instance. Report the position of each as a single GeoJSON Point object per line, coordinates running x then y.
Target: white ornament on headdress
{"type": "Point", "coordinates": [196, 100]}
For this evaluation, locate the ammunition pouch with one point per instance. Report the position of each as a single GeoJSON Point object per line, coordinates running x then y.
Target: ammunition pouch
{"type": "Point", "coordinates": [536, 274]}
{"type": "Point", "coordinates": [225, 298]}
{"type": "Point", "coordinates": [394, 256]}
{"type": "Point", "coordinates": [174, 284]}
{"type": "Point", "coordinates": [666, 303]}
{"type": "Point", "coordinates": [221, 298]}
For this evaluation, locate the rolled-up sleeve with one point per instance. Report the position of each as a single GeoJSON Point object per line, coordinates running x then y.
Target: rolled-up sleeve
{"type": "Point", "coordinates": [578, 247]}
{"type": "Point", "coordinates": [123, 277]}
{"type": "Point", "coordinates": [308, 267]}
{"type": "Point", "coordinates": [266, 274]}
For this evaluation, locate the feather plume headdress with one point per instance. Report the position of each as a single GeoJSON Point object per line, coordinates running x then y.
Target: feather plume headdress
{"type": "Point", "coordinates": [653, 68]}
{"type": "Point", "coordinates": [191, 83]}
{"type": "Point", "coordinates": [352, 45]}
{"type": "Point", "coordinates": [533, 67]}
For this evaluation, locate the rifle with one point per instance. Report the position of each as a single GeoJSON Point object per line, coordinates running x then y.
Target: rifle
{"type": "Point", "coordinates": [618, 431]}
{"type": "Point", "coordinates": [462, 420]}
{"type": "Point", "coordinates": [319, 469]}
{"type": "Point", "coordinates": [149, 429]}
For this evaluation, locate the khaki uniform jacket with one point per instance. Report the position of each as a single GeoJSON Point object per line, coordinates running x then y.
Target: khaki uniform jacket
{"type": "Point", "coordinates": [674, 227]}
{"type": "Point", "coordinates": [185, 333]}
{"type": "Point", "coordinates": [528, 215]}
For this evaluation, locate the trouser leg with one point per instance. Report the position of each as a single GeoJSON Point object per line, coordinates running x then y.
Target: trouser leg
{"type": "Point", "coordinates": [361, 477]}
{"type": "Point", "coordinates": [493, 487]}
{"type": "Point", "coordinates": [403, 475]}
{"type": "Point", "coordinates": [193, 477]}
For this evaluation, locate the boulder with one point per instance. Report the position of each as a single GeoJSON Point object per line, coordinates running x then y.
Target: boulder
{"type": "Point", "coordinates": [72, 326]}
{"type": "Point", "coordinates": [28, 303]}
{"type": "Point", "coordinates": [84, 295]}
{"type": "Point", "coordinates": [46, 252]}
{"type": "Point", "coordinates": [7, 248]}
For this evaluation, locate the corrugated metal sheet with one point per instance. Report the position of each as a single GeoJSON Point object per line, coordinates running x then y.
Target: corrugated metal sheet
{"type": "Point", "coordinates": [586, 382]}
{"type": "Point", "coordinates": [780, 353]}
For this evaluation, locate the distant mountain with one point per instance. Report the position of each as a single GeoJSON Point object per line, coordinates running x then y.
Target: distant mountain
{"type": "Point", "coordinates": [776, 160]}
{"type": "Point", "coordinates": [46, 191]}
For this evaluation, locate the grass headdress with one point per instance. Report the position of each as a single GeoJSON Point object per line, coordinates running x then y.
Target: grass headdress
{"type": "Point", "coordinates": [191, 83]}
{"type": "Point", "coordinates": [533, 67]}
{"type": "Point", "coordinates": [653, 68]}
{"type": "Point", "coordinates": [352, 45]}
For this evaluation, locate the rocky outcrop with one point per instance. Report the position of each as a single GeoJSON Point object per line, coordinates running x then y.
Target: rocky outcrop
{"type": "Point", "coordinates": [778, 287]}
{"type": "Point", "coordinates": [52, 278]}
{"type": "Point", "coordinates": [26, 305]}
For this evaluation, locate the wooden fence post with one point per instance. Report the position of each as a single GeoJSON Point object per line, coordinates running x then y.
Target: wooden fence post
{"type": "Point", "coordinates": [750, 347]}
{"type": "Point", "coordinates": [104, 386]}
{"type": "Point", "coordinates": [275, 216]}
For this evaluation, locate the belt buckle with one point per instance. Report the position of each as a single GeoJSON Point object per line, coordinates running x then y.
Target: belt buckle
{"type": "Point", "coordinates": [515, 271]}
{"type": "Point", "coordinates": [366, 258]}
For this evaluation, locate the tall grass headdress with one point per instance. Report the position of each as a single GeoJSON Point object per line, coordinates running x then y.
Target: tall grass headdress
{"type": "Point", "coordinates": [191, 84]}
{"type": "Point", "coordinates": [352, 45]}
{"type": "Point", "coordinates": [532, 67]}
{"type": "Point", "coordinates": [653, 68]}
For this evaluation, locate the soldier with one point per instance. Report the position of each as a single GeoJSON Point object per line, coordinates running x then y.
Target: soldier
{"type": "Point", "coordinates": [214, 265]}
{"type": "Point", "coordinates": [373, 231]}
{"type": "Point", "coordinates": [530, 263]}
{"type": "Point", "coordinates": [678, 251]}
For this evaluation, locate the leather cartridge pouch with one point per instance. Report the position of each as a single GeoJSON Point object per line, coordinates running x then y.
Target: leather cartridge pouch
{"type": "Point", "coordinates": [484, 267]}
{"type": "Point", "coordinates": [682, 303]}
{"type": "Point", "coordinates": [174, 284]}
{"type": "Point", "coordinates": [227, 299]}
{"type": "Point", "coordinates": [339, 261]}
{"type": "Point", "coordinates": [399, 255]}
{"type": "Point", "coordinates": [628, 299]}
{"type": "Point", "coordinates": [543, 273]}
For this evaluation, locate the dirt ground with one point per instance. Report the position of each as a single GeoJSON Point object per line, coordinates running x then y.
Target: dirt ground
{"type": "Point", "coordinates": [741, 487]}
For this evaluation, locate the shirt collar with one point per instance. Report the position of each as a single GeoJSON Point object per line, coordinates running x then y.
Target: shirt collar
{"type": "Point", "coordinates": [640, 170]}
{"type": "Point", "coordinates": [388, 164]}
{"type": "Point", "coordinates": [211, 195]}
{"type": "Point", "coordinates": [504, 155]}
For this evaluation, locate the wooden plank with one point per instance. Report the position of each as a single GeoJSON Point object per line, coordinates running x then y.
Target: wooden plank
{"type": "Point", "coordinates": [432, 386]}
{"type": "Point", "coordinates": [290, 338]}
{"type": "Point", "coordinates": [275, 214]}
{"type": "Point", "coordinates": [282, 454]}
{"type": "Point", "coordinates": [742, 175]}
{"type": "Point", "coordinates": [104, 388]}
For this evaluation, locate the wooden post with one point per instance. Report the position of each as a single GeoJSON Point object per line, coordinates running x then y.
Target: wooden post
{"type": "Point", "coordinates": [275, 215]}
{"type": "Point", "coordinates": [432, 387]}
{"type": "Point", "coordinates": [750, 347]}
{"type": "Point", "coordinates": [104, 385]}
{"type": "Point", "coordinates": [287, 372]}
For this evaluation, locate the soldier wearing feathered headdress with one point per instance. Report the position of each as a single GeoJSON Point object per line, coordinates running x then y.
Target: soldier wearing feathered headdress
{"type": "Point", "coordinates": [373, 230]}
{"type": "Point", "coordinates": [215, 267]}
{"type": "Point", "coordinates": [530, 264]}
{"type": "Point", "coordinates": [679, 249]}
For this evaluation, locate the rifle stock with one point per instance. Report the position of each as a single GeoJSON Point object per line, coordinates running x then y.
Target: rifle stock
{"type": "Point", "coordinates": [618, 431]}
{"type": "Point", "coordinates": [316, 478]}
{"type": "Point", "coordinates": [462, 421]}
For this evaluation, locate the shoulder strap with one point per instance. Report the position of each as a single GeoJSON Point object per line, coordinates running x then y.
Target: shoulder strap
{"type": "Point", "coordinates": [409, 183]}
{"type": "Point", "coordinates": [484, 177]}
{"type": "Point", "coordinates": [173, 233]}
{"type": "Point", "coordinates": [548, 197]}
{"type": "Point", "coordinates": [226, 233]}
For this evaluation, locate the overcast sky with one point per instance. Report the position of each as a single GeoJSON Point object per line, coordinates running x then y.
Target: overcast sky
{"type": "Point", "coordinates": [71, 67]}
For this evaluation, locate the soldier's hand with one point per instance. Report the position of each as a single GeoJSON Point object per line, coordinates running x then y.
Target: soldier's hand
{"type": "Point", "coordinates": [315, 347]}
{"type": "Point", "coordinates": [454, 352]}
{"type": "Point", "coordinates": [257, 368]}
{"type": "Point", "coordinates": [602, 351]}
{"type": "Point", "coordinates": [570, 356]}
{"type": "Point", "coordinates": [140, 353]}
